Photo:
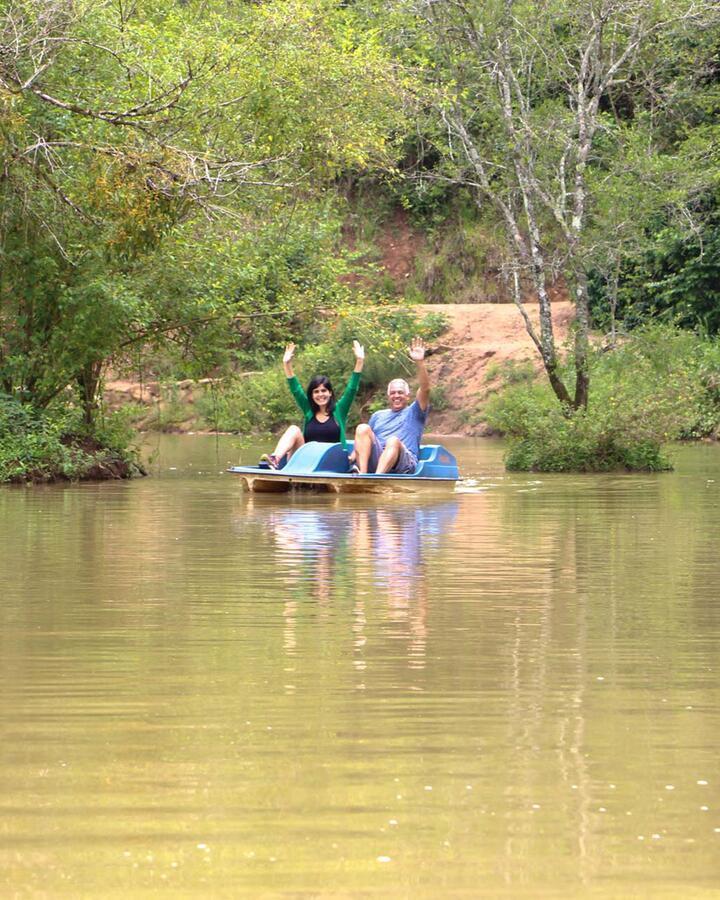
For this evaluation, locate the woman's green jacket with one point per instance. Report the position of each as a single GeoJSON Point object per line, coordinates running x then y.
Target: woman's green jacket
{"type": "Point", "coordinates": [342, 407]}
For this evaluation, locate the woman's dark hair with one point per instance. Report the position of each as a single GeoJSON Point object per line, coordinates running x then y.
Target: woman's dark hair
{"type": "Point", "coordinates": [315, 382]}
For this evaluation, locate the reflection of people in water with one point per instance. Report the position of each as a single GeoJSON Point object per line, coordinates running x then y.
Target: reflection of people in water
{"type": "Point", "coordinates": [309, 542]}
{"type": "Point", "coordinates": [395, 539]}
{"type": "Point", "coordinates": [383, 548]}
{"type": "Point", "coordinates": [399, 540]}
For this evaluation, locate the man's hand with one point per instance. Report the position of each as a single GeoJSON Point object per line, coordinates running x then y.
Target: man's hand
{"type": "Point", "coordinates": [416, 352]}
{"type": "Point", "coordinates": [416, 349]}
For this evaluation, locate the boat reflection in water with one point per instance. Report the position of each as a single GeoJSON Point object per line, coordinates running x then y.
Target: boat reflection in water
{"type": "Point", "coordinates": [365, 554]}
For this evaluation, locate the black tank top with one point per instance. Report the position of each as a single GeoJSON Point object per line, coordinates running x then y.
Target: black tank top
{"type": "Point", "coordinates": [326, 432]}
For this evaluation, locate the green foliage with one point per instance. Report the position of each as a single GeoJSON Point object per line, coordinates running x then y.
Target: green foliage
{"type": "Point", "coordinates": [51, 445]}
{"type": "Point", "coordinates": [460, 263]}
{"type": "Point", "coordinates": [674, 277]}
{"type": "Point", "coordinates": [169, 411]}
{"type": "Point", "coordinates": [115, 432]}
{"type": "Point", "coordinates": [438, 397]}
{"type": "Point", "coordinates": [169, 177]}
{"type": "Point", "coordinates": [228, 299]}
{"type": "Point", "coordinates": [261, 401]}
{"type": "Point", "coordinates": [661, 385]}
{"type": "Point", "coordinates": [250, 404]}
{"type": "Point", "coordinates": [573, 169]}
{"type": "Point", "coordinates": [120, 152]}
{"type": "Point", "coordinates": [511, 371]}
{"type": "Point", "coordinates": [546, 438]}
{"type": "Point", "coordinates": [377, 401]}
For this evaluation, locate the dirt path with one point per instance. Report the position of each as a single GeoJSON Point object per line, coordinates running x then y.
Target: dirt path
{"type": "Point", "coordinates": [481, 334]}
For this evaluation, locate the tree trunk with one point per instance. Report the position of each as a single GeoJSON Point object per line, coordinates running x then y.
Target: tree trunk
{"type": "Point", "coordinates": [582, 342]}
{"type": "Point", "coordinates": [89, 382]}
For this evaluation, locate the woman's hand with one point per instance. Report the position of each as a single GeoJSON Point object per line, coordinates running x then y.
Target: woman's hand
{"type": "Point", "coordinates": [359, 352]}
{"type": "Point", "coordinates": [287, 359]}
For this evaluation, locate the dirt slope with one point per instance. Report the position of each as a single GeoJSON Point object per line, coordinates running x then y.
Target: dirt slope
{"type": "Point", "coordinates": [481, 334]}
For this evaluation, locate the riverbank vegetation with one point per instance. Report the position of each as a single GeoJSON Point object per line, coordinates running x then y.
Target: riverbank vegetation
{"type": "Point", "coordinates": [53, 444]}
{"type": "Point", "coordinates": [184, 186]}
{"type": "Point", "coordinates": [661, 384]}
{"type": "Point", "coordinates": [260, 400]}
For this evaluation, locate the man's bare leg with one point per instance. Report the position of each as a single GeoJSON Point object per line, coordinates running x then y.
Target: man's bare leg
{"type": "Point", "coordinates": [389, 456]}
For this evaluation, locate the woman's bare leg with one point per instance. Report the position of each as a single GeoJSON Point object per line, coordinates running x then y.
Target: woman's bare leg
{"type": "Point", "coordinates": [290, 441]}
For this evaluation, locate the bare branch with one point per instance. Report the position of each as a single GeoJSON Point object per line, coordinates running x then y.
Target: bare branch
{"type": "Point", "coordinates": [61, 195]}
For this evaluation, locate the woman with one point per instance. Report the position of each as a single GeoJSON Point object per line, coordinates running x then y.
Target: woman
{"type": "Point", "coordinates": [324, 418]}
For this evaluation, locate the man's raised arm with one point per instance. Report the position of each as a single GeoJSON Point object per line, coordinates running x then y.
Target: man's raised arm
{"type": "Point", "coordinates": [417, 355]}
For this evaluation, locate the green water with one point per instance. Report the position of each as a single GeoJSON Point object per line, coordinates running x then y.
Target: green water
{"type": "Point", "coordinates": [511, 692]}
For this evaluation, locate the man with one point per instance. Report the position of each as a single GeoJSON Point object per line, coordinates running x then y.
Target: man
{"type": "Point", "coordinates": [390, 442]}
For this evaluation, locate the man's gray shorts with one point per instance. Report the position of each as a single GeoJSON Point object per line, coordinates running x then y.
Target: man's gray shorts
{"type": "Point", "coordinates": [406, 462]}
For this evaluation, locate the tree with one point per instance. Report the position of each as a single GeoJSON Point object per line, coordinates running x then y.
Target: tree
{"type": "Point", "coordinates": [121, 123]}
{"type": "Point", "coordinates": [536, 100]}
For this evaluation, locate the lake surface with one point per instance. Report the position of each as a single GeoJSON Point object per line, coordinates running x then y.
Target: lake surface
{"type": "Point", "coordinates": [512, 691]}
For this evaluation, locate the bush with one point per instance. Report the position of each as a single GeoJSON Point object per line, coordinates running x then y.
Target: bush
{"type": "Point", "coordinates": [115, 432]}
{"type": "Point", "coordinates": [705, 421]}
{"type": "Point", "coordinates": [258, 402]}
{"type": "Point", "coordinates": [51, 445]}
{"type": "Point", "coordinates": [674, 280]}
{"type": "Point", "coordinates": [554, 440]}
{"type": "Point", "coordinates": [386, 334]}
{"type": "Point", "coordinates": [511, 371]}
{"type": "Point", "coordinates": [662, 385]}
{"type": "Point", "coordinates": [439, 398]}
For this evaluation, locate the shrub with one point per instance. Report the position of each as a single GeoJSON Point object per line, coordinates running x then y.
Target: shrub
{"type": "Point", "coordinates": [438, 397]}
{"type": "Point", "coordinates": [511, 371]}
{"type": "Point", "coordinates": [170, 410]}
{"type": "Point", "coordinates": [115, 431]}
{"type": "Point", "coordinates": [385, 333]}
{"type": "Point", "coordinates": [705, 421]}
{"type": "Point", "coordinates": [661, 385]}
{"type": "Point", "coordinates": [585, 441]}
{"type": "Point", "coordinates": [40, 445]}
{"type": "Point", "coordinates": [257, 402]}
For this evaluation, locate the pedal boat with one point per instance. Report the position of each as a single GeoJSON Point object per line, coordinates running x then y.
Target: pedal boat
{"type": "Point", "coordinates": [325, 467]}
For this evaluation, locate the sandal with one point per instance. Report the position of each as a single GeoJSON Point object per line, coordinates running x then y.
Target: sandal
{"type": "Point", "coordinates": [269, 461]}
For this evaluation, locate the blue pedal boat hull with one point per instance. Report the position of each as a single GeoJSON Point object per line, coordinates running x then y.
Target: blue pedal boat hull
{"type": "Point", "coordinates": [325, 467]}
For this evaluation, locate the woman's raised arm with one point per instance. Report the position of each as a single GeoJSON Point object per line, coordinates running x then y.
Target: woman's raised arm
{"type": "Point", "coordinates": [359, 352]}
{"type": "Point", "coordinates": [287, 359]}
